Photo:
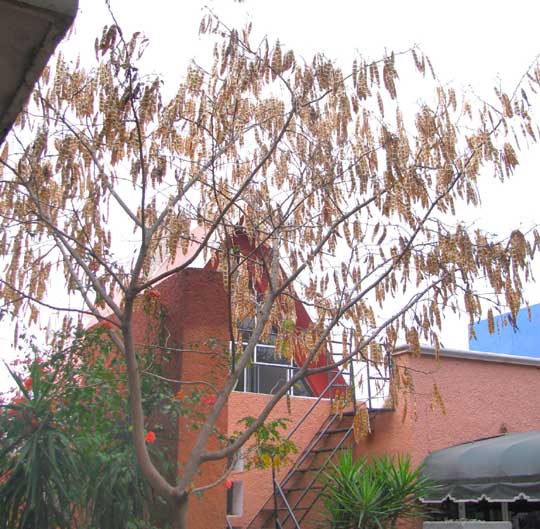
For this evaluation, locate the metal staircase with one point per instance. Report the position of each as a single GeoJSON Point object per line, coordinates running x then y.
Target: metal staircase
{"type": "Point", "coordinates": [297, 493]}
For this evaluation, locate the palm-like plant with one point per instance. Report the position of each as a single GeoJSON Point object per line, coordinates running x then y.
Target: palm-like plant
{"type": "Point", "coordinates": [362, 494]}
{"type": "Point", "coordinates": [65, 454]}
{"type": "Point", "coordinates": [39, 468]}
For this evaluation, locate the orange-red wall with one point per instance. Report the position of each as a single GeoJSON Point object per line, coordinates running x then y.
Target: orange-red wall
{"type": "Point", "coordinates": [480, 398]}
{"type": "Point", "coordinates": [258, 483]}
{"type": "Point", "coordinates": [196, 324]}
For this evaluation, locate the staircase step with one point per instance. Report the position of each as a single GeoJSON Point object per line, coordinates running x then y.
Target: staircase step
{"type": "Point", "coordinates": [315, 461]}
{"type": "Point", "coordinates": [321, 450]}
{"type": "Point", "coordinates": [337, 430]}
{"type": "Point", "coordinates": [298, 489]}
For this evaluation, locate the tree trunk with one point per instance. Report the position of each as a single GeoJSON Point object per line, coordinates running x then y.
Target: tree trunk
{"type": "Point", "coordinates": [179, 510]}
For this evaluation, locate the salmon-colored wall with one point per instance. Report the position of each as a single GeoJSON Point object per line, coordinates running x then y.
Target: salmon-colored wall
{"type": "Point", "coordinates": [258, 483]}
{"type": "Point", "coordinates": [480, 398]}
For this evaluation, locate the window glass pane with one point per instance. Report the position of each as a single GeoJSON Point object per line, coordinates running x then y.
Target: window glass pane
{"type": "Point", "coordinates": [240, 384]}
{"type": "Point", "coordinates": [483, 510]}
{"type": "Point", "coordinates": [270, 339]}
{"type": "Point", "coordinates": [250, 382]}
{"type": "Point", "coordinates": [246, 327]}
{"type": "Point", "coordinates": [235, 499]}
{"type": "Point", "coordinates": [300, 389]}
{"type": "Point", "coordinates": [246, 324]}
{"type": "Point", "coordinates": [229, 501]}
{"type": "Point", "coordinates": [270, 378]}
{"type": "Point", "coordinates": [267, 355]}
{"type": "Point", "coordinates": [268, 371]}
{"type": "Point", "coordinates": [447, 510]}
{"type": "Point", "coordinates": [525, 514]}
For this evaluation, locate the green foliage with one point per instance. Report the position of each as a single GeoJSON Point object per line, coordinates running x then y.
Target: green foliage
{"type": "Point", "coordinates": [119, 494]}
{"type": "Point", "coordinates": [39, 467]}
{"type": "Point", "coordinates": [372, 495]}
{"type": "Point", "coordinates": [66, 457]}
{"type": "Point", "coordinates": [270, 448]}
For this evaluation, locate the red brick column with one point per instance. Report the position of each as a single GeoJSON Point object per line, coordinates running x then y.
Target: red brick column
{"type": "Point", "coordinates": [197, 338]}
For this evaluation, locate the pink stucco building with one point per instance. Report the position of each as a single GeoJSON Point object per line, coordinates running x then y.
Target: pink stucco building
{"type": "Point", "coordinates": [459, 396]}
{"type": "Point", "coordinates": [455, 397]}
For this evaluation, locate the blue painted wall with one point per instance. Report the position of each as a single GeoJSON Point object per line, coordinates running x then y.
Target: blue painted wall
{"type": "Point", "coordinates": [523, 342]}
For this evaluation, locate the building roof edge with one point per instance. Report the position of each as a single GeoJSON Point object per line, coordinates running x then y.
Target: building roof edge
{"type": "Point", "coordinates": [471, 355]}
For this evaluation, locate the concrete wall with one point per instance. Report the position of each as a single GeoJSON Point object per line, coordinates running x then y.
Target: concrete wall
{"type": "Point", "coordinates": [525, 341]}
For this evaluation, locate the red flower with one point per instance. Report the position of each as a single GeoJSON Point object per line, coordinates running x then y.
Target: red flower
{"type": "Point", "coordinates": [228, 483]}
{"type": "Point", "coordinates": [209, 399]}
{"type": "Point", "coordinates": [106, 324]}
{"type": "Point", "coordinates": [150, 437]}
{"type": "Point", "coordinates": [28, 384]}
{"type": "Point", "coordinates": [17, 401]}
{"type": "Point", "coordinates": [179, 396]}
{"type": "Point", "coordinates": [153, 293]}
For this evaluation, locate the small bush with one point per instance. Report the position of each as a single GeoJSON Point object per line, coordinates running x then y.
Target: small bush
{"type": "Point", "coordinates": [362, 494]}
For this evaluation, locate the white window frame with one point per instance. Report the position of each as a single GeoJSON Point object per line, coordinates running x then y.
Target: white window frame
{"type": "Point", "coordinates": [237, 491]}
{"type": "Point", "coordinates": [289, 367]}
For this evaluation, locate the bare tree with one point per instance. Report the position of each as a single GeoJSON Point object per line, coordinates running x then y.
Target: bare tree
{"type": "Point", "coordinates": [347, 203]}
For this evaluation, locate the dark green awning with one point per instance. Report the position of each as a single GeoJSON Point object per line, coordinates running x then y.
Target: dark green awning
{"type": "Point", "coordinates": [502, 468]}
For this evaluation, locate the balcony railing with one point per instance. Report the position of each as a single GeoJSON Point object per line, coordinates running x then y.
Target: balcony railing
{"type": "Point", "coordinates": [268, 372]}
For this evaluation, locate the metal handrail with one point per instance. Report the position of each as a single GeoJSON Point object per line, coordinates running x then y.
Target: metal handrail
{"type": "Point", "coordinates": [312, 407]}
{"type": "Point", "coordinates": [320, 471]}
{"type": "Point", "coordinates": [229, 526]}
{"type": "Point", "coordinates": [353, 385]}
{"type": "Point", "coordinates": [284, 498]}
{"type": "Point", "coordinates": [314, 442]}
{"type": "Point", "coordinates": [307, 450]}
{"type": "Point", "coordinates": [349, 365]}
{"type": "Point", "coordinates": [368, 385]}
{"type": "Point", "coordinates": [381, 378]}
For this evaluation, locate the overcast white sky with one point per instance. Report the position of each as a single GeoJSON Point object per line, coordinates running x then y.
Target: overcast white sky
{"type": "Point", "coordinates": [473, 43]}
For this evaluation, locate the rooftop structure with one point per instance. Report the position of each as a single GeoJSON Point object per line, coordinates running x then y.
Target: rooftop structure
{"type": "Point", "coordinates": [29, 33]}
{"type": "Point", "coordinates": [523, 339]}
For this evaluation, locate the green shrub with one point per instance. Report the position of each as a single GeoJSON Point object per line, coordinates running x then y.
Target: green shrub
{"type": "Point", "coordinates": [362, 494]}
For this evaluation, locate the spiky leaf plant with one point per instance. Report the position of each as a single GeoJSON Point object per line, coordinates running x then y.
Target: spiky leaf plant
{"type": "Point", "coordinates": [65, 454]}
{"type": "Point", "coordinates": [374, 494]}
{"type": "Point", "coordinates": [39, 468]}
